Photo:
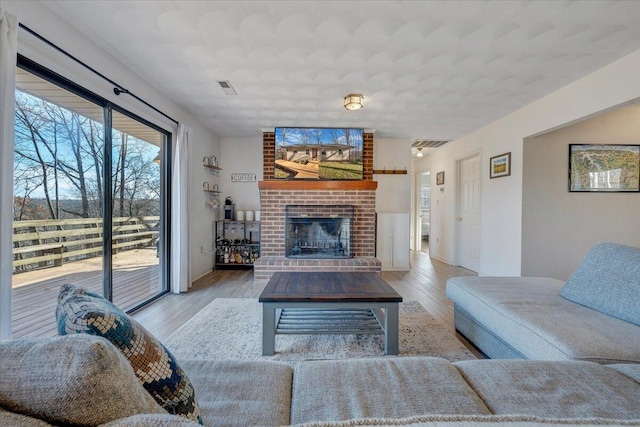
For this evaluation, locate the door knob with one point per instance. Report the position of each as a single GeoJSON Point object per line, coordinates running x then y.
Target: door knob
{"type": "Point", "coordinates": [459, 218]}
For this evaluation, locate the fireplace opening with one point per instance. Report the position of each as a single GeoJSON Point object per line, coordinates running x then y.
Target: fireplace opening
{"type": "Point", "coordinates": [319, 231]}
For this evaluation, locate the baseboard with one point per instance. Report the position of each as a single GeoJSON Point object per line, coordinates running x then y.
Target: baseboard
{"type": "Point", "coordinates": [445, 260]}
{"type": "Point", "coordinates": [200, 276]}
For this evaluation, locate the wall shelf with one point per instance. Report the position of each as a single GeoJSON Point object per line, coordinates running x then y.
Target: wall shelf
{"type": "Point", "coordinates": [211, 163]}
{"type": "Point", "coordinates": [390, 171]}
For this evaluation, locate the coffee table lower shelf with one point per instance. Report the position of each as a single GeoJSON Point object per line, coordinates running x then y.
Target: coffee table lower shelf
{"type": "Point", "coordinates": [330, 318]}
{"type": "Point", "coordinates": [293, 321]}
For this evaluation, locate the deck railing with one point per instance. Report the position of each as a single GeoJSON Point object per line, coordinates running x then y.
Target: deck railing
{"type": "Point", "coordinates": [44, 243]}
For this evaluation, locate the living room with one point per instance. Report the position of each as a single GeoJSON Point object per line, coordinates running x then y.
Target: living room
{"type": "Point", "coordinates": [530, 224]}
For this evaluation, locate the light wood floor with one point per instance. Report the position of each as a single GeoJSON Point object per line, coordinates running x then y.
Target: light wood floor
{"type": "Point", "coordinates": [424, 283]}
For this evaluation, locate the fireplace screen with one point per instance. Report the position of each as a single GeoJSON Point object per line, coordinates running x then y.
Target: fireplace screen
{"type": "Point", "coordinates": [318, 231]}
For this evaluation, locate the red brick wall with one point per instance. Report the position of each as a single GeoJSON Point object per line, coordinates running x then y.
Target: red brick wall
{"type": "Point", "coordinates": [268, 155]}
{"type": "Point", "coordinates": [272, 212]}
{"type": "Point", "coordinates": [367, 154]}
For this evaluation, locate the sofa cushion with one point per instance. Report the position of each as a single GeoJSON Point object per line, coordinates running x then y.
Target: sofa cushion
{"type": "Point", "coordinates": [76, 380]}
{"type": "Point", "coordinates": [380, 387]}
{"type": "Point", "coordinates": [608, 280]}
{"type": "Point", "coordinates": [152, 420]}
{"type": "Point", "coordinates": [241, 393]}
{"type": "Point", "coordinates": [157, 370]}
{"type": "Point", "coordinates": [11, 419]}
{"type": "Point", "coordinates": [517, 420]}
{"type": "Point", "coordinates": [564, 389]}
{"type": "Point", "coordinates": [632, 370]}
{"type": "Point", "coordinates": [529, 314]}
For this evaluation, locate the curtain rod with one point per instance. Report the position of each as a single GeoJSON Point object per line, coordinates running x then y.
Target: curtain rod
{"type": "Point", "coordinates": [118, 89]}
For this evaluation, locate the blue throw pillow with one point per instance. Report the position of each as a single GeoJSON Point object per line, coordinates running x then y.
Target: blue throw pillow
{"type": "Point", "coordinates": [608, 280]}
{"type": "Point", "coordinates": [80, 311]}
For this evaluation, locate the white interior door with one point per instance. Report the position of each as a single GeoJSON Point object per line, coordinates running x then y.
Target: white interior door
{"type": "Point", "coordinates": [469, 213]}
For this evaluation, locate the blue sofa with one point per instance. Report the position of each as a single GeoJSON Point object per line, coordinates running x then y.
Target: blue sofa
{"type": "Point", "coordinates": [594, 316]}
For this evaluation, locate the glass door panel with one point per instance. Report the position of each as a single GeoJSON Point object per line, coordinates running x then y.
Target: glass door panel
{"type": "Point", "coordinates": [137, 237]}
{"type": "Point", "coordinates": [58, 200]}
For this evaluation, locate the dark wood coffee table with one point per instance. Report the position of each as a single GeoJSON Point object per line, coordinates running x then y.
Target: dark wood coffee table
{"type": "Point", "coordinates": [329, 303]}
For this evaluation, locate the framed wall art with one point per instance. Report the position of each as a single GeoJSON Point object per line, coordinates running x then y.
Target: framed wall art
{"type": "Point", "coordinates": [500, 166]}
{"type": "Point", "coordinates": [604, 168]}
{"type": "Point", "coordinates": [440, 178]}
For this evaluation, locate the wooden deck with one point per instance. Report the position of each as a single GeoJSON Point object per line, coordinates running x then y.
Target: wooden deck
{"type": "Point", "coordinates": [136, 277]}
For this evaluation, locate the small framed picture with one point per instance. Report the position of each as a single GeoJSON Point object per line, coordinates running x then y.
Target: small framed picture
{"type": "Point", "coordinates": [500, 166]}
{"type": "Point", "coordinates": [440, 178]}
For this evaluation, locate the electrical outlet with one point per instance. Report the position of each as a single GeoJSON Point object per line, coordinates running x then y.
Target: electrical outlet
{"type": "Point", "coordinates": [201, 249]}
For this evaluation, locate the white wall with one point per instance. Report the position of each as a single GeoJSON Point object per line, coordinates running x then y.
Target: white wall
{"type": "Point", "coordinates": [394, 191]}
{"type": "Point", "coordinates": [204, 144]}
{"type": "Point", "coordinates": [241, 155]}
{"type": "Point", "coordinates": [41, 20]}
{"type": "Point", "coordinates": [501, 229]}
{"type": "Point", "coordinates": [559, 227]}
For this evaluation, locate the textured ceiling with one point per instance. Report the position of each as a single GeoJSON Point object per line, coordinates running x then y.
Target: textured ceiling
{"type": "Point", "coordinates": [427, 70]}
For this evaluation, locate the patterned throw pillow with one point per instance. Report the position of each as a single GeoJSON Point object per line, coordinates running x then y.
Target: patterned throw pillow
{"type": "Point", "coordinates": [80, 311]}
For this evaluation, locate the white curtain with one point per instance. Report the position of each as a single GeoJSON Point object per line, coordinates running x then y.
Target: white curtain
{"type": "Point", "coordinates": [180, 242]}
{"type": "Point", "coordinates": [8, 56]}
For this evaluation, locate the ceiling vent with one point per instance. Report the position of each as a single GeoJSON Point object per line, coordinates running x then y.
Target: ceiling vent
{"type": "Point", "coordinates": [429, 143]}
{"type": "Point", "coordinates": [226, 87]}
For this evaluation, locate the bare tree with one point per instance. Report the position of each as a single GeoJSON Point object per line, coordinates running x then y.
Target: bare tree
{"type": "Point", "coordinates": [119, 174]}
{"type": "Point", "coordinates": [29, 140]}
{"type": "Point", "coordinates": [316, 135]}
{"type": "Point", "coordinates": [59, 155]}
{"type": "Point", "coordinates": [347, 139]}
{"type": "Point", "coordinates": [94, 135]}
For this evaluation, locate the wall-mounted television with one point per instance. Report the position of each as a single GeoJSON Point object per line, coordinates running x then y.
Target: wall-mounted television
{"type": "Point", "coordinates": [319, 153]}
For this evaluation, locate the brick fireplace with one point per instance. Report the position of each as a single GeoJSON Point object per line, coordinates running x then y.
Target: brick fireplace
{"type": "Point", "coordinates": [276, 195]}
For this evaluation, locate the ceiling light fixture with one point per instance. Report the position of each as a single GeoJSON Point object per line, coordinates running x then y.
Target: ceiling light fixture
{"type": "Point", "coordinates": [353, 101]}
{"type": "Point", "coordinates": [419, 155]}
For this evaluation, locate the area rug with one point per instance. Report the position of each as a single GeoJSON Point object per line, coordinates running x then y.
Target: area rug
{"type": "Point", "coordinates": [231, 328]}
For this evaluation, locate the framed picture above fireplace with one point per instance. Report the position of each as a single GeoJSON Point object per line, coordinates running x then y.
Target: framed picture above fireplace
{"type": "Point", "coordinates": [319, 153]}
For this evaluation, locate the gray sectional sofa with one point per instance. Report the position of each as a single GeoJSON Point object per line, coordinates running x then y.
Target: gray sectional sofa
{"type": "Point", "coordinates": [95, 385]}
{"type": "Point", "coordinates": [86, 380]}
{"type": "Point", "coordinates": [594, 316]}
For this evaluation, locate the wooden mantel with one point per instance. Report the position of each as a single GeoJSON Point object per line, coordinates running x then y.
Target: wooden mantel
{"type": "Point", "coordinates": [316, 185]}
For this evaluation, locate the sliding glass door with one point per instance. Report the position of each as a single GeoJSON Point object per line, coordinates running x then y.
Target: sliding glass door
{"type": "Point", "coordinates": [88, 201]}
{"type": "Point", "coordinates": [57, 228]}
{"type": "Point", "coordinates": [136, 211]}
